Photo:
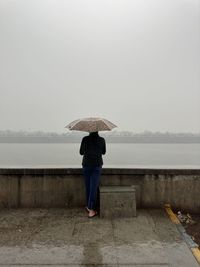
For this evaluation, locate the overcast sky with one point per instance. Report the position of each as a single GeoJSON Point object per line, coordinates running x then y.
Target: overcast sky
{"type": "Point", "coordinates": [134, 62]}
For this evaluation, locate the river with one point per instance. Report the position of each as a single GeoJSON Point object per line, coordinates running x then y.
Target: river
{"type": "Point", "coordinates": [118, 155]}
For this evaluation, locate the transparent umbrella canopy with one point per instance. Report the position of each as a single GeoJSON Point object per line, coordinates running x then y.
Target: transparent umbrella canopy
{"type": "Point", "coordinates": [91, 124]}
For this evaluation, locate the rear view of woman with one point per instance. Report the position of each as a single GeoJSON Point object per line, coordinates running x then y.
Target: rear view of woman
{"type": "Point", "coordinates": [92, 148]}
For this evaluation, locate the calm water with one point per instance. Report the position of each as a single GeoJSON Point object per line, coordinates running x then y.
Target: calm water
{"type": "Point", "coordinates": [118, 155]}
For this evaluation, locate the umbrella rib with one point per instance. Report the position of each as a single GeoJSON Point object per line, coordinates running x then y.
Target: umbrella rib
{"type": "Point", "coordinates": [112, 124]}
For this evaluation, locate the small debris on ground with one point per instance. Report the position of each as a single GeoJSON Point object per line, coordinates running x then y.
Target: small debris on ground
{"type": "Point", "coordinates": [191, 223]}
{"type": "Point", "coordinates": [187, 219]}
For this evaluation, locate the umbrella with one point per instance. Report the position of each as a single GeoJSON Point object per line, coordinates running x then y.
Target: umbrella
{"type": "Point", "coordinates": [91, 125]}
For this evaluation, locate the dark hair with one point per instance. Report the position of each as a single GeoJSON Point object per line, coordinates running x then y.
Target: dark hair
{"type": "Point", "coordinates": [94, 137]}
{"type": "Point", "coordinates": [93, 133]}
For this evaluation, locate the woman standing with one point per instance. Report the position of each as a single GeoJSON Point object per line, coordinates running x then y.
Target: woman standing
{"type": "Point", "coordinates": [92, 148]}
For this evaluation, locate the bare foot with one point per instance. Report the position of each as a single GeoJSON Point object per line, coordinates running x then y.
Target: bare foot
{"type": "Point", "coordinates": [92, 213]}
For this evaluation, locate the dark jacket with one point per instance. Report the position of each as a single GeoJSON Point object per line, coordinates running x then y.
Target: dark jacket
{"type": "Point", "coordinates": [92, 147]}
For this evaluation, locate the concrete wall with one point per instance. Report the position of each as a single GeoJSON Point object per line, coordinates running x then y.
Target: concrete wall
{"type": "Point", "coordinates": [65, 187]}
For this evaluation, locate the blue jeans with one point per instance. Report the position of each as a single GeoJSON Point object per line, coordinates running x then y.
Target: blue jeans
{"type": "Point", "coordinates": [92, 179]}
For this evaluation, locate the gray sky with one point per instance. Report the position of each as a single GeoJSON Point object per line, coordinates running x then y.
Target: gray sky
{"type": "Point", "coordinates": [134, 62]}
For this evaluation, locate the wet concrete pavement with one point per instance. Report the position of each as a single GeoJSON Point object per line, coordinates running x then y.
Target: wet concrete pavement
{"type": "Point", "coordinates": [66, 237]}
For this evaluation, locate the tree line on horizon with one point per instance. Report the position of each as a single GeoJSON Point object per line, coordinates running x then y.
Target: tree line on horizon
{"type": "Point", "coordinates": [8, 136]}
{"type": "Point", "coordinates": [108, 133]}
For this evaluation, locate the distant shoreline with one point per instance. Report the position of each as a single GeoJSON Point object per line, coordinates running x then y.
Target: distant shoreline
{"type": "Point", "coordinates": [111, 137]}
{"type": "Point", "coordinates": [108, 140]}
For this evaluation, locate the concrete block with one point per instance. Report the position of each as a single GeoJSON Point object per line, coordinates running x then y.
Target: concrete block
{"type": "Point", "coordinates": [117, 201]}
{"type": "Point", "coordinates": [125, 180]}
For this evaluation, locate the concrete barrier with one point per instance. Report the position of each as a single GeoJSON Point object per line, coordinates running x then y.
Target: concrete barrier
{"type": "Point", "coordinates": [58, 187]}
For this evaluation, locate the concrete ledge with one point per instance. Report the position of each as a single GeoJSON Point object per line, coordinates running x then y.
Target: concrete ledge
{"type": "Point", "coordinates": [60, 187]}
{"type": "Point", "coordinates": [111, 171]}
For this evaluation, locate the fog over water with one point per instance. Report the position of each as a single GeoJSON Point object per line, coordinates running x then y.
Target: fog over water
{"type": "Point", "coordinates": [117, 155]}
{"type": "Point", "coordinates": [134, 62]}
